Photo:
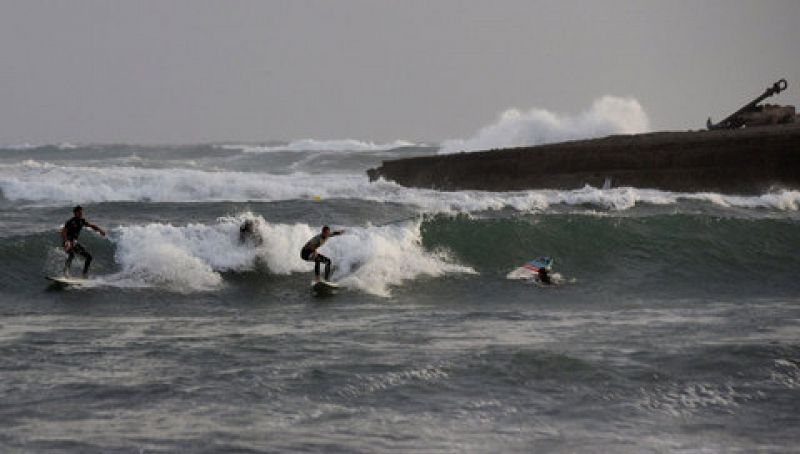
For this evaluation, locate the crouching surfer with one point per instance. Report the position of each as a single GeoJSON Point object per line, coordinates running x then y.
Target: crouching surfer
{"type": "Point", "coordinates": [69, 238]}
{"type": "Point", "coordinates": [249, 234]}
{"type": "Point", "coordinates": [309, 252]}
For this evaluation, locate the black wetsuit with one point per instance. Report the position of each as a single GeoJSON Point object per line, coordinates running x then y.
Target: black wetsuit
{"type": "Point", "coordinates": [544, 276]}
{"type": "Point", "coordinates": [248, 233]}
{"type": "Point", "coordinates": [73, 230]}
{"type": "Point", "coordinates": [309, 249]}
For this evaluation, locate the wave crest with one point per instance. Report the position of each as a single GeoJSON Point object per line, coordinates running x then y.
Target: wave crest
{"type": "Point", "coordinates": [34, 181]}
{"type": "Point", "coordinates": [190, 258]}
{"type": "Point", "coordinates": [322, 145]}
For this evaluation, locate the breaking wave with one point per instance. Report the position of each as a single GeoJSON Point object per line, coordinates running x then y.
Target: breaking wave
{"type": "Point", "coordinates": [191, 257]}
{"type": "Point", "coordinates": [37, 182]}
{"type": "Point", "coordinates": [607, 115]}
{"type": "Point", "coordinates": [322, 145]}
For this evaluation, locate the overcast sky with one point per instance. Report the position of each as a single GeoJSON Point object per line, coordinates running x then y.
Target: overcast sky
{"type": "Point", "coordinates": [190, 71]}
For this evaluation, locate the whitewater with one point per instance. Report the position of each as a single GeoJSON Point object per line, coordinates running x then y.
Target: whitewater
{"type": "Point", "coordinates": [675, 329]}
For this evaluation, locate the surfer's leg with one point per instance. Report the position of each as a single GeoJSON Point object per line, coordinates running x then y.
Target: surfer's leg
{"type": "Point", "coordinates": [87, 258]}
{"type": "Point", "coordinates": [87, 261]}
{"type": "Point", "coordinates": [68, 263]}
{"type": "Point", "coordinates": [309, 256]}
{"type": "Point", "coordinates": [327, 262]}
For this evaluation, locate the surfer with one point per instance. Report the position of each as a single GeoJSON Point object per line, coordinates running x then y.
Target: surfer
{"type": "Point", "coordinates": [537, 270]}
{"type": "Point", "coordinates": [544, 276]}
{"type": "Point", "coordinates": [69, 237]}
{"type": "Point", "coordinates": [248, 233]}
{"type": "Point", "coordinates": [309, 252]}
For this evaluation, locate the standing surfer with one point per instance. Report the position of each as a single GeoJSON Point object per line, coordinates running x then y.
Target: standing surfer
{"type": "Point", "coordinates": [309, 252]}
{"type": "Point", "coordinates": [69, 237]}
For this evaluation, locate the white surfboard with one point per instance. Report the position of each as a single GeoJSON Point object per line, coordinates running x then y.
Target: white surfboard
{"type": "Point", "coordinates": [64, 280]}
{"type": "Point", "coordinates": [324, 288]}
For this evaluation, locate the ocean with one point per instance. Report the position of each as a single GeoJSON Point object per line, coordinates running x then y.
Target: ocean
{"type": "Point", "coordinates": [676, 327]}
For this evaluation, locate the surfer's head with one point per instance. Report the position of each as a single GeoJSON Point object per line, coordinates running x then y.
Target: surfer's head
{"type": "Point", "coordinates": [326, 231]}
{"type": "Point", "coordinates": [78, 211]}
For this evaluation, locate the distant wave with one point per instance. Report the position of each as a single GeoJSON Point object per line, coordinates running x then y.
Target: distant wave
{"type": "Point", "coordinates": [41, 182]}
{"type": "Point", "coordinates": [607, 115]}
{"type": "Point", "coordinates": [321, 145]}
{"type": "Point", "coordinates": [33, 146]}
{"type": "Point", "coordinates": [45, 183]}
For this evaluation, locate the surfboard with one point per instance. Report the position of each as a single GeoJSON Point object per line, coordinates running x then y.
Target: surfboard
{"type": "Point", "coordinates": [64, 280]}
{"type": "Point", "coordinates": [530, 270]}
{"type": "Point", "coordinates": [541, 262]}
{"type": "Point", "coordinates": [324, 288]}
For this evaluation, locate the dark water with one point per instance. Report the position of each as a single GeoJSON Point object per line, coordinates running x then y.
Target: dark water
{"type": "Point", "coordinates": [677, 327]}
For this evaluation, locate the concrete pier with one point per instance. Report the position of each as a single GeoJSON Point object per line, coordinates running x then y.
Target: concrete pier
{"type": "Point", "coordinates": [742, 161]}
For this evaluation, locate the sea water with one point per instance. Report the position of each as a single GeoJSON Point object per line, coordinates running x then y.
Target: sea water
{"type": "Point", "coordinates": [677, 327]}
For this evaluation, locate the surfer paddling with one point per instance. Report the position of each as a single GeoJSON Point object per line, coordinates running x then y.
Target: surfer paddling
{"type": "Point", "coordinates": [537, 270]}
{"type": "Point", "coordinates": [69, 238]}
{"type": "Point", "coordinates": [309, 252]}
{"type": "Point", "coordinates": [544, 276]}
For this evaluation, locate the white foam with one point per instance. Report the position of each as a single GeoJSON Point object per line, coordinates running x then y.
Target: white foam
{"type": "Point", "coordinates": [191, 257]}
{"type": "Point", "coordinates": [321, 145]}
{"type": "Point", "coordinates": [46, 183]}
{"type": "Point", "coordinates": [683, 399]}
{"type": "Point", "coordinates": [366, 384]}
{"type": "Point", "coordinates": [514, 128]}
{"type": "Point", "coordinates": [374, 258]}
{"type": "Point", "coordinates": [781, 200]}
{"type": "Point", "coordinates": [786, 372]}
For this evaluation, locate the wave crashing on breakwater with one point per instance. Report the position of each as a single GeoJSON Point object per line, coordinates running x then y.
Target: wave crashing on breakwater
{"type": "Point", "coordinates": [514, 128]}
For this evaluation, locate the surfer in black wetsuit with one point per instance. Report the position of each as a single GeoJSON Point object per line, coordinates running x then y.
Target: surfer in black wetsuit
{"type": "Point", "coordinates": [69, 238]}
{"type": "Point", "coordinates": [309, 252]}
{"type": "Point", "coordinates": [248, 233]}
{"type": "Point", "coordinates": [544, 276]}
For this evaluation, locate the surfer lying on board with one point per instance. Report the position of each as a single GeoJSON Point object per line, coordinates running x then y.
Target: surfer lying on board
{"type": "Point", "coordinates": [544, 276]}
{"type": "Point", "coordinates": [538, 270]}
{"type": "Point", "coordinates": [69, 237]}
{"type": "Point", "coordinates": [309, 252]}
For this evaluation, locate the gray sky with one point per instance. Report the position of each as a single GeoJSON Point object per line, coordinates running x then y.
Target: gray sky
{"type": "Point", "coordinates": [190, 71]}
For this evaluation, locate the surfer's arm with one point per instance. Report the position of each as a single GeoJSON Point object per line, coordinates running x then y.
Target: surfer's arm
{"type": "Point", "coordinates": [96, 229]}
{"type": "Point", "coordinates": [64, 240]}
{"type": "Point", "coordinates": [337, 233]}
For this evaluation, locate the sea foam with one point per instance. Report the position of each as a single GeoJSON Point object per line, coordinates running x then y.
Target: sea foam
{"type": "Point", "coordinates": [514, 128]}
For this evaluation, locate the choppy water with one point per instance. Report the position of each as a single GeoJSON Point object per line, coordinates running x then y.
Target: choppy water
{"type": "Point", "coordinates": [678, 329]}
